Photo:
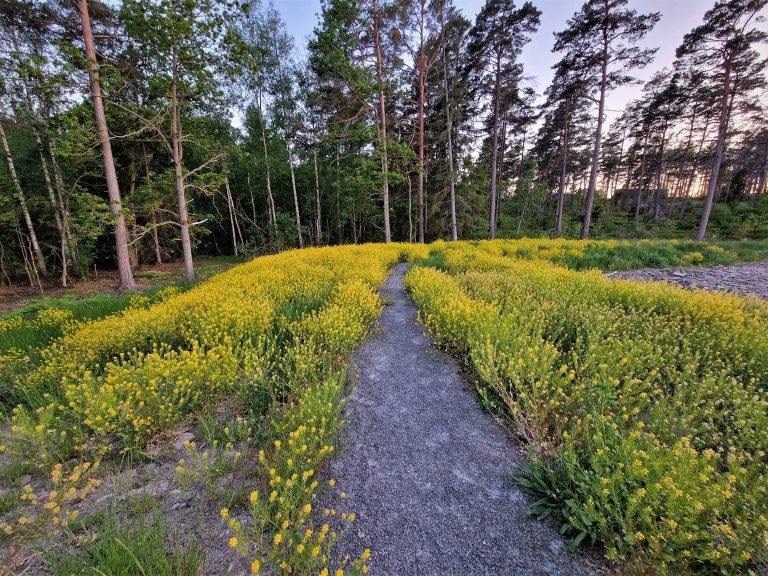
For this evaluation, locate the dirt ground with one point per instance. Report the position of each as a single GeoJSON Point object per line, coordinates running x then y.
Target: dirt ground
{"type": "Point", "coordinates": [147, 277]}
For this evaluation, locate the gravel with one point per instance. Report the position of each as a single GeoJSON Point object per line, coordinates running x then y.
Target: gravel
{"type": "Point", "coordinates": [750, 279]}
{"type": "Point", "coordinates": [427, 470]}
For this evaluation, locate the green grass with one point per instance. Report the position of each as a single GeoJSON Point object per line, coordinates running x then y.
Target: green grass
{"type": "Point", "coordinates": [141, 548]}
{"type": "Point", "coordinates": [667, 254]}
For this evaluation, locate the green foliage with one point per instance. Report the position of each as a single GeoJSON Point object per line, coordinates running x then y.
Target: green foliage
{"type": "Point", "coordinates": [141, 547]}
{"type": "Point", "coordinates": [661, 461]}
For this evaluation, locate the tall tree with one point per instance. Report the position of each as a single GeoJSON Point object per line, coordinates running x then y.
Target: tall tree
{"type": "Point", "coordinates": [497, 38]}
{"type": "Point", "coordinates": [602, 39]}
{"type": "Point", "coordinates": [723, 49]}
{"type": "Point", "coordinates": [115, 201]}
{"type": "Point", "coordinates": [188, 52]}
{"type": "Point", "coordinates": [420, 18]}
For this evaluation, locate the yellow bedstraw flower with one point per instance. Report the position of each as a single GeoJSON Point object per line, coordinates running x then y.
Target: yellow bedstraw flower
{"type": "Point", "coordinates": [255, 567]}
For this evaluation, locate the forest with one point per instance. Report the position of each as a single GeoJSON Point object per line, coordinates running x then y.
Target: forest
{"type": "Point", "coordinates": [141, 131]}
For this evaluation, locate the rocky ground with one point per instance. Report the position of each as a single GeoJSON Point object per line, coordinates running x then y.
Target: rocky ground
{"type": "Point", "coordinates": [749, 279]}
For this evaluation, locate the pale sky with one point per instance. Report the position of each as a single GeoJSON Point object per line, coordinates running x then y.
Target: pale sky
{"type": "Point", "coordinates": [678, 17]}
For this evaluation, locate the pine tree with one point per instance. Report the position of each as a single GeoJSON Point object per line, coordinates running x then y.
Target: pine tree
{"type": "Point", "coordinates": [601, 39]}
{"type": "Point", "coordinates": [497, 38]}
{"type": "Point", "coordinates": [723, 50]}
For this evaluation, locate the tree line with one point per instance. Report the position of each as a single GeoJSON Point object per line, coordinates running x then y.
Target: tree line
{"type": "Point", "coordinates": [147, 130]}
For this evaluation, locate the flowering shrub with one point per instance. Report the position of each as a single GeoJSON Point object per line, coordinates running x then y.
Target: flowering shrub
{"type": "Point", "coordinates": [274, 333]}
{"type": "Point", "coordinates": [644, 405]}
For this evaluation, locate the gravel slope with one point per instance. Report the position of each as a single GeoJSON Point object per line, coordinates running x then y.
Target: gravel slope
{"type": "Point", "coordinates": [426, 469]}
{"type": "Point", "coordinates": [751, 279]}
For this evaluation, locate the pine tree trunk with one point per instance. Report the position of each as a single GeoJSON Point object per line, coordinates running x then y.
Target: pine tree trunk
{"type": "Point", "coordinates": [38, 253]}
{"type": "Point", "coordinates": [420, 181]}
{"type": "Point", "coordinates": [115, 202]}
{"type": "Point", "coordinates": [659, 172]}
{"type": "Point", "coordinates": [382, 123]}
{"type": "Point", "coordinates": [178, 152]}
{"type": "Point", "coordinates": [639, 196]}
{"type": "Point", "coordinates": [598, 140]}
{"type": "Point", "coordinates": [318, 215]}
{"type": "Point", "coordinates": [722, 133]}
{"type": "Point", "coordinates": [494, 151]}
{"type": "Point", "coordinates": [563, 172]}
{"type": "Point", "coordinates": [449, 145]}
{"type": "Point", "coordinates": [410, 206]}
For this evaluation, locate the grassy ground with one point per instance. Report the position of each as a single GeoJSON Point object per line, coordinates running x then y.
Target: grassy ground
{"type": "Point", "coordinates": [31, 324]}
{"type": "Point", "coordinates": [631, 255]}
{"type": "Point", "coordinates": [96, 296]}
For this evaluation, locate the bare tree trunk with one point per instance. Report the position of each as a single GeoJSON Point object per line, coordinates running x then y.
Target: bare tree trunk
{"type": "Point", "coordinates": [29, 267]}
{"type": "Point", "coordinates": [295, 196]}
{"type": "Point", "coordinates": [494, 151]}
{"type": "Point", "coordinates": [659, 171]}
{"type": "Point", "coordinates": [318, 217]}
{"type": "Point", "coordinates": [63, 205]}
{"type": "Point", "coordinates": [115, 202]}
{"type": "Point", "coordinates": [598, 140]}
{"type": "Point", "coordinates": [132, 250]}
{"type": "Point", "coordinates": [231, 209]}
{"type": "Point", "coordinates": [722, 133]}
{"type": "Point", "coordinates": [57, 209]}
{"type": "Point", "coordinates": [38, 253]}
{"type": "Point", "coordinates": [178, 152]}
{"type": "Point", "coordinates": [382, 122]}
{"type": "Point", "coordinates": [156, 239]}
{"type": "Point", "coordinates": [270, 199]}
{"type": "Point", "coordinates": [250, 192]}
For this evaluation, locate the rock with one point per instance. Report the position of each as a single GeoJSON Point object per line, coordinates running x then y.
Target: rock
{"type": "Point", "coordinates": [183, 438]}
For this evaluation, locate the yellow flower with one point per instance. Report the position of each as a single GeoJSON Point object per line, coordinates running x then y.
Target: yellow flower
{"type": "Point", "coordinates": [224, 512]}
{"type": "Point", "coordinates": [233, 542]}
{"type": "Point", "coordinates": [255, 567]}
{"type": "Point", "coordinates": [254, 497]}
{"type": "Point", "coordinates": [278, 539]}
{"type": "Point", "coordinates": [307, 508]}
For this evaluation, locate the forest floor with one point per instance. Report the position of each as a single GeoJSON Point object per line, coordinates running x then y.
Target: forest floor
{"type": "Point", "coordinates": [748, 279]}
{"type": "Point", "coordinates": [427, 469]}
{"type": "Point", "coordinates": [102, 283]}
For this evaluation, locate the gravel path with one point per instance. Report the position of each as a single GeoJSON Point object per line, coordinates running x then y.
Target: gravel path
{"type": "Point", "coordinates": [749, 278]}
{"type": "Point", "coordinates": [426, 469]}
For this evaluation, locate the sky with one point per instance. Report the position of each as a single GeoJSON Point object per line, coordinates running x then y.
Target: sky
{"type": "Point", "coordinates": [677, 18]}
